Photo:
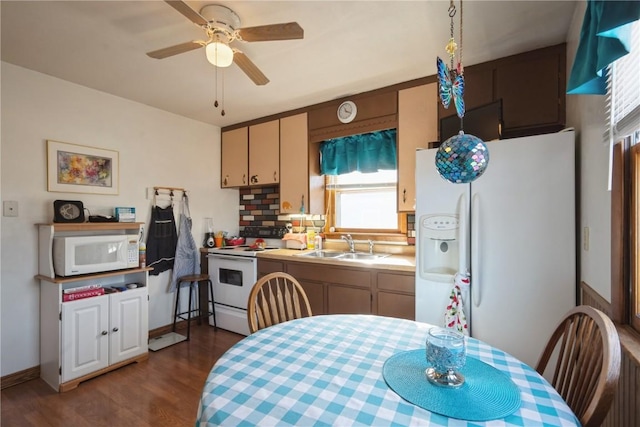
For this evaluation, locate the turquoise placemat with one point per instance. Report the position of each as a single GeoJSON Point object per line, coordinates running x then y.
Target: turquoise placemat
{"type": "Point", "coordinates": [486, 394]}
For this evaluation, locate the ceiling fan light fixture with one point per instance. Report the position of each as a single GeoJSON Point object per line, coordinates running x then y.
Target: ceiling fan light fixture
{"type": "Point", "coordinates": [219, 54]}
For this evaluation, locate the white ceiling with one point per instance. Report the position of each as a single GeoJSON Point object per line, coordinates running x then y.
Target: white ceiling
{"type": "Point", "coordinates": [349, 47]}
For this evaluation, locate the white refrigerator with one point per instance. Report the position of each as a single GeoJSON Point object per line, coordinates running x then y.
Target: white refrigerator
{"type": "Point", "coordinates": [513, 230]}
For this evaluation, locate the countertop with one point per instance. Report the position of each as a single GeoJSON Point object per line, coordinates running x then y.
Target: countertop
{"type": "Point", "coordinates": [392, 262]}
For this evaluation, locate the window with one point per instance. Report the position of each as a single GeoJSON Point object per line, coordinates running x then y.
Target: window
{"type": "Point", "coordinates": [365, 200]}
{"type": "Point", "coordinates": [623, 106]}
{"type": "Point", "coordinates": [361, 185]}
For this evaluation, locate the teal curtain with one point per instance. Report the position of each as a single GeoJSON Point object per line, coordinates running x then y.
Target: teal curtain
{"type": "Point", "coordinates": [366, 153]}
{"type": "Point", "coordinates": [605, 37]}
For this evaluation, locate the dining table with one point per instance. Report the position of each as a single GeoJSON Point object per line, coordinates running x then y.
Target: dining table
{"type": "Point", "coordinates": [348, 370]}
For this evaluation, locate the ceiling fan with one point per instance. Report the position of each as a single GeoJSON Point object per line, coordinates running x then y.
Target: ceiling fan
{"type": "Point", "coordinates": [222, 26]}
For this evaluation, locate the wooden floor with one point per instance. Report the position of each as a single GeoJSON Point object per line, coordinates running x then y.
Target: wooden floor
{"type": "Point", "coordinates": [163, 391]}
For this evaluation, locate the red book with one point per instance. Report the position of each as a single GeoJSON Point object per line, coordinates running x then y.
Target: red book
{"type": "Point", "coordinates": [82, 294]}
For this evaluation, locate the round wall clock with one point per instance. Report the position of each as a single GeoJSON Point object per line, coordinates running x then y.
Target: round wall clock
{"type": "Point", "coordinates": [347, 111]}
{"type": "Point", "coordinates": [68, 211]}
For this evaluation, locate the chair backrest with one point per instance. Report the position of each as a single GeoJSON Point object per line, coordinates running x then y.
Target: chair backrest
{"type": "Point", "coordinates": [586, 351]}
{"type": "Point", "coordinates": [276, 298]}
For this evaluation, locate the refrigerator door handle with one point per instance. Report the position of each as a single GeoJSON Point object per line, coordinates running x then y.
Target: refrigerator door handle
{"type": "Point", "coordinates": [475, 253]}
{"type": "Point", "coordinates": [463, 233]}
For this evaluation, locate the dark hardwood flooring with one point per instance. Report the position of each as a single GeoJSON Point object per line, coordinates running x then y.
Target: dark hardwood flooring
{"type": "Point", "coordinates": [163, 391]}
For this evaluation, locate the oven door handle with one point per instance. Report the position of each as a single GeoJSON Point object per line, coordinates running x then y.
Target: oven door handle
{"type": "Point", "coordinates": [233, 258]}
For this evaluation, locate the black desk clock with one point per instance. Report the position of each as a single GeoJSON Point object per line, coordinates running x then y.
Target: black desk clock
{"type": "Point", "coordinates": [68, 211]}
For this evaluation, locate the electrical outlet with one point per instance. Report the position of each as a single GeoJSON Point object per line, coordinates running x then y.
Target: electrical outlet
{"type": "Point", "coordinates": [585, 238]}
{"type": "Point", "coordinates": [10, 208]}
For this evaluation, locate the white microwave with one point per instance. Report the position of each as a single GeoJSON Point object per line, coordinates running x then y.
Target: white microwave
{"type": "Point", "coordinates": [73, 255]}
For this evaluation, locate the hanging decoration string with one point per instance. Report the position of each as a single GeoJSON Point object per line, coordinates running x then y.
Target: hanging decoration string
{"type": "Point", "coordinates": [463, 157]}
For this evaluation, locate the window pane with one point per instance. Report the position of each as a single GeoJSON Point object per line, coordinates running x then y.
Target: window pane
{"type": "Point", "coordinates": [366, 200]}
{"type": "Point", "coordinates": [375, 209]}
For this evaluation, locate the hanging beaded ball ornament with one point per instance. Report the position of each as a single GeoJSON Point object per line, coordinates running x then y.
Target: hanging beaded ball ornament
{"type": "Point", "coordinates": [462, 158]}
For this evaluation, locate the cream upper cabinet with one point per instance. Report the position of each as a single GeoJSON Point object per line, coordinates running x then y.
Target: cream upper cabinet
{"type": "Point", "coordinates": [417, 126]}
{"type": "Point", "coordinates": [235, 158]}
{"type": "Point", "coordinates": [264, 153]}
{"type": "Point", "coordinates": [294, 171]}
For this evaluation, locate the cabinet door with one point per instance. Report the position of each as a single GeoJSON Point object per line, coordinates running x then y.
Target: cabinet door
{"type": "Point", "coordinates": [264, 153]}
{"type": "Point", "coordinates": [396, 305]}
{"type": "Point", "coordinates": [235, 158]}
{"type": "Point", "coordinates": [129, 324]}
{"type": "Point", "coordinates": [344, 300]}
{"type": "Point", "coordinates": [531, 90]}
{"type": "Point", "coordinates": [294, 176]}
{"type": "Point", "coordinates": [315, 294]}
{"type": "Point", "coordinates": [85, 340]}
{"type": "Point", "coordinates": [417, 126]}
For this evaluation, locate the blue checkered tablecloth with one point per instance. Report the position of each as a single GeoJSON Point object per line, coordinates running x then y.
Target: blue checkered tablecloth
{"type": "Point", "coordinates": [327, 371]}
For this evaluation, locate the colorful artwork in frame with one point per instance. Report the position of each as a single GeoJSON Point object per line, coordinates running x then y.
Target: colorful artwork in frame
{"type": "Point", "coordinates": [75, 168]}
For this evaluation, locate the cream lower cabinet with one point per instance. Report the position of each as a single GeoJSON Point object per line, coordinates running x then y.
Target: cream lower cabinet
{"type": "Point", "coordinates": [88, 337]}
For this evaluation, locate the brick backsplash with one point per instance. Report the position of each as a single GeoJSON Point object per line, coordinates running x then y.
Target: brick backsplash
{"type": "Point", "coordinates": [260, 207]}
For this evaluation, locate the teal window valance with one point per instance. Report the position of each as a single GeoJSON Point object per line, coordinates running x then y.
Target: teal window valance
{"type": "Point", "coordinates": [605, 36]}
{"type": "Point", "coordinates": [366, 153]}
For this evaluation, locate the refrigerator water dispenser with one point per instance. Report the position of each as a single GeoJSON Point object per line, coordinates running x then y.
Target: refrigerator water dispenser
{"type": "Point", "coordinates": [439, 247]}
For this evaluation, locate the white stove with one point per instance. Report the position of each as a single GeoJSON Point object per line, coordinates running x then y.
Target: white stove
{"type": "Point", "coordinates": [241, 250]}
{"type": "Point", "coordinates": [233, 271]}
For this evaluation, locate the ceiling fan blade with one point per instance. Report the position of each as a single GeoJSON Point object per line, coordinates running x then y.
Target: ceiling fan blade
{"type": "Point", "coordinates": [286, 31]}
{"type": "Point", "coordinates": [189, 13]}
{"type": "Point", "coordinates": [174, 50]}
{"type": "Point", "coordinates": [249, 68]}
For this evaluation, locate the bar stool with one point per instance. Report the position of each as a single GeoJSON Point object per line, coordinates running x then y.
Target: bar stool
{"type": "Point", "coordinates": [193, 281]}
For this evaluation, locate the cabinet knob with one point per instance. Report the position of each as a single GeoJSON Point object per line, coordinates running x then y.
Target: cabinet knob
{"type": "Point", "coordinates": [244, 178]}
{"type": "Point", "coordinates": [254, 179]}
{"type": "Point", "coordinates": [226, 179]}
{"type": "Point", "coordinates": [115, 329]}
{"type": "Point", "coordinates": [104, 332]}
{"type": "Point", "coordinates": [404, 195]}
{"type": "Point", "coordinates": [275, 176]}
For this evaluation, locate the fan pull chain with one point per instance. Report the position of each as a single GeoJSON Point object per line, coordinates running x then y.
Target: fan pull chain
{"type": "Point", "coordinates": [215, 104]}
{"type": "Point", "coordinates": [222, 113]}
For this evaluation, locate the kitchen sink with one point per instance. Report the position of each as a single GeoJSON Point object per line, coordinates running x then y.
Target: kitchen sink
{"type": "Point", "coordinates": [323, 254]}
{"type": "Point", "coordinates": [361, 256]}
{"type": "Point", "coordinates": [344, 256]}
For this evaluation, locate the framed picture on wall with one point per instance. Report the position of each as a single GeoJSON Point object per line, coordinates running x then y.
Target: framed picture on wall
{"type": "Point", "coordinates": [75, 168]}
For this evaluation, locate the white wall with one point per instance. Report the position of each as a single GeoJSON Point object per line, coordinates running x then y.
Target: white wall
{"type": "Point", "coordinates": [587, 114]}
{"type": "Point", "coordinates": [155, 148]}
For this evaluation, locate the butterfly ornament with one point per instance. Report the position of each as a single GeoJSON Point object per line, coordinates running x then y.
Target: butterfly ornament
{"type": "Point", "coordinates": [451, 87]}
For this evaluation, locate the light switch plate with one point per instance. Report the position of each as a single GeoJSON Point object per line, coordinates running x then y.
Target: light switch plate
{"type": "Point", "coordinates": [9, 208]}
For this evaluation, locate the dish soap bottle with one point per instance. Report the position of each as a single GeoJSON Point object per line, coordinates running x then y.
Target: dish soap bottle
{"type": "Point", "coordinates": [311, 235]}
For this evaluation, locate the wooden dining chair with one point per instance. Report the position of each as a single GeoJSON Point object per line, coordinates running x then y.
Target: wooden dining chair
{"type": "Point", "coordinates": [276, 298]}
{"type": "Point", "coordinates": [586, 352]}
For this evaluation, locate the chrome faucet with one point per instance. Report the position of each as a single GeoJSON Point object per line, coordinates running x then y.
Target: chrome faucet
{"type": "Point", "coordinates": [350, 242]}
{"type": "Point", "coordinates": [370, 246]}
